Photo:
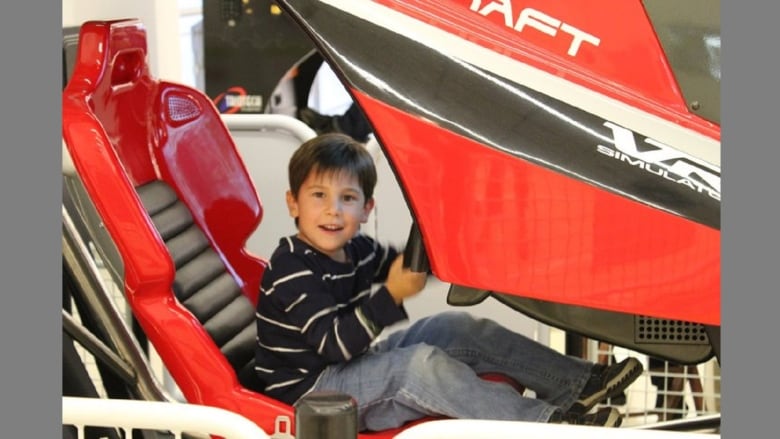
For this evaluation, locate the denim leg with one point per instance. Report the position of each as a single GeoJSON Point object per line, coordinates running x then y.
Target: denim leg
{"type": "Point", "coordinates": [410, 382]}
{"type": "Point", "coordinates": [488, 347]}
{"type": "Point", "coordinates": [433, 368]}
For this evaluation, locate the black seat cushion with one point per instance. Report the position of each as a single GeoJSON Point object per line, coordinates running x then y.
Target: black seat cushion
{"type": "Point", "coordinates": [202, 282]}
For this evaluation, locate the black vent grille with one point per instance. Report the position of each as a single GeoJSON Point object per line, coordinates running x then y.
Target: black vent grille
{"type": "Point", "coordinates": [663, 331]}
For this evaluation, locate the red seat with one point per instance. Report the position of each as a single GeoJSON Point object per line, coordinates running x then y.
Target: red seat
{"type": "Point", "coordinates": [126, 130]}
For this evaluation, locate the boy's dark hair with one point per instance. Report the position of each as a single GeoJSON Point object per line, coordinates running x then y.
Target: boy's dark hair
{"type": "Point", "coordinates": [332, 153]}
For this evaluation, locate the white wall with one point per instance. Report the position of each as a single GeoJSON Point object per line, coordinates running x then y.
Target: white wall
{"type": "Point", "coordinates": [160, 17]}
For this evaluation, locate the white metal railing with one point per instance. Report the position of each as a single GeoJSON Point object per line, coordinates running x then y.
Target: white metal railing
{"type": "Point", "coordinates": [476, 429]}
{"type": "Point", "coordinates": [177, 418]}
{"type": "Point", "coordinates": [301, 131]}
{"type": "Point", "coordinates": [257, 122]}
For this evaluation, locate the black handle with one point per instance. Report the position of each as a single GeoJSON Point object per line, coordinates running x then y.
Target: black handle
{"type": "Point", "coordinates": [415, 257]}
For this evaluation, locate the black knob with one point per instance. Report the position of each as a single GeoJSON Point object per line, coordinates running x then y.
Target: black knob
{"type": "Point", "coordinates": [326, 415]}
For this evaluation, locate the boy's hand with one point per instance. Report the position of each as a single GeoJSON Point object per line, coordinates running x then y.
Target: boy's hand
{"type": "Point", "coordinates": [402, 282]}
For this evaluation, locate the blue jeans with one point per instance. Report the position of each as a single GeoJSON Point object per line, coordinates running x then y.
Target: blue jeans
{"type": "Point", "coordinates": [433, 368]}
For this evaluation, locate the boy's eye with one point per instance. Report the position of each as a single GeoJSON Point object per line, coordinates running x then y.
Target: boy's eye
{"type": "Point", "coordinates": [318, 194]}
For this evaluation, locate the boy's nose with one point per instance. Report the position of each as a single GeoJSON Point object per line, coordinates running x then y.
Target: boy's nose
{"type": "Point", "coordinates": [334, 207]}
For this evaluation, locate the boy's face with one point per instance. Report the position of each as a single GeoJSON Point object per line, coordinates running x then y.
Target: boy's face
{"type": "Point", "coordinates": [330, 208]}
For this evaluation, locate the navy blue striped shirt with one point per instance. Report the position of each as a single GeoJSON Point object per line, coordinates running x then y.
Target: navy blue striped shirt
{"type": "Point", "coordinates": [314, 311]}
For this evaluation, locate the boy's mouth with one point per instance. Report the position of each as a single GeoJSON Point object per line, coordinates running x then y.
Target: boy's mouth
{"type": "Point", "coordinates": [331, 227]}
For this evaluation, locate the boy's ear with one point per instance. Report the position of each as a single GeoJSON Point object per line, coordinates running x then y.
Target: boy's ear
{"type": "Point", "coordinates": [292, 204]}
{"type": "Point", "coordinates": [367, 210]}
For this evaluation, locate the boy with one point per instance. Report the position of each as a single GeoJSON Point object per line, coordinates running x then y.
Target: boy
{"type": "Point", "coordinates": [317, 317]}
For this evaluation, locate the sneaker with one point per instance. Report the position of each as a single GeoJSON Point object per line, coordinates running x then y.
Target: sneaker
{"type": "Point", "coordinates": [619, 399]}
{"type": "Point", "coordinates": [607, 382]}
{"type": "Point", "coordinates": [604, 417]}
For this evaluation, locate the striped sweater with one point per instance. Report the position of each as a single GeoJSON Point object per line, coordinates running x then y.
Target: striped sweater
{"type": "Point", "coordinates": [314, 311]}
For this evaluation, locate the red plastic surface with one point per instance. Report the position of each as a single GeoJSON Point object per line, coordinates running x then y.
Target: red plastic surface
{"type": "Point", "coordinates": [120, 135]}
{"type": "Point", "coordinates": [526, 230]}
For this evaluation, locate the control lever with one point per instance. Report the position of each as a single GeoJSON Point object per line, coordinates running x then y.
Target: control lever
{"type": "Point", "coordinates": [415, 257]}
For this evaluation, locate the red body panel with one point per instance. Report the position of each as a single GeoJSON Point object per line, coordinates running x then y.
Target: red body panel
{"type": "Point", "coordinates": [505, 225]}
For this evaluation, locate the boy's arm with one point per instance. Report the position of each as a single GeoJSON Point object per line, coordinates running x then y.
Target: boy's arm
{"type": "Point", "coordinates": [399, 282]}
{"type": "Point", "coordinates": [386, 254]}
{"type": "Point", "coordinates": [402, 282]}
{"type": "Point", "coordinates": [336, 331]}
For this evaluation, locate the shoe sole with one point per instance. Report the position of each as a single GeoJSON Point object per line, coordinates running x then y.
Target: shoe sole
{"type": "Point", "coordinates": [614, 420]}
{"type": "Point", "coordinates": [614, 386]}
